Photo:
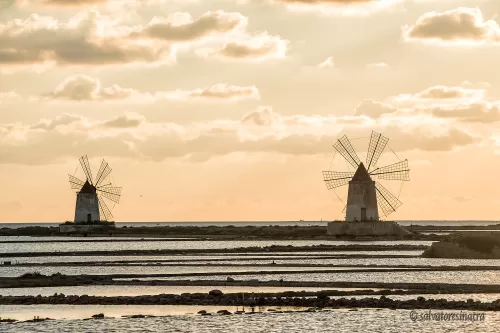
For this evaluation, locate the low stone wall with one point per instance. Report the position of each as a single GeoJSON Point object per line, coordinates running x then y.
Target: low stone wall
{"type": "Point", "coordinates": [365, 228]}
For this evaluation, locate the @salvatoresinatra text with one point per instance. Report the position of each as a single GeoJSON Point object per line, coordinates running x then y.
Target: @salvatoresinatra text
{"type": "Point", "coordinates": [429, 315]}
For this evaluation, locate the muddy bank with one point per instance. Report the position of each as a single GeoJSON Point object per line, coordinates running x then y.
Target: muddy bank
{"type": "Point", "coordinates": [272, 248]}
{"type": "Point", "coordinates": [55, 280]}
{"type": "Point", "coordinates": [429, 228]}
{"type": "Point", "coordinates": [216, 297]}
{"type": "Point", "coordinates": [482, 245]}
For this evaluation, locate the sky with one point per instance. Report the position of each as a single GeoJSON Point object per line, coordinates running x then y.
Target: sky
{"type": "Point", "coordinates": [227, 110]}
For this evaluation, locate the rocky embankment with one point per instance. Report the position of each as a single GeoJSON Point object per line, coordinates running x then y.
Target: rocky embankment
{"type": "Point", "coordinates": [216, 297]}
{"type": "Point", "coordinates": [466, 246]}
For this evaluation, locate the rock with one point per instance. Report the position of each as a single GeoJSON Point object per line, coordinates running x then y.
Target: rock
{"type": "Point", "coordinates": [8, 320]}
{"type": "Point", "coordinates": [202, 312]}
{"type": "Point", "coordinates": [223, 312]}
{"type": "Point", "coordinates": [216, 293]}
{"type": "Point", "coordinates": [138, 316]}
{"type": "Point", "coordinates": [98, 316]}
{"type": "Point", "coordinates": [229, 279]}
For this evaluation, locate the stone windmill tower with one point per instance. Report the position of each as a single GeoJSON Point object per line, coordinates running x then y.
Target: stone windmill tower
{"type": "Point", "coordinates": [365, 195]}
{"type": "Point", "coordinates": [362, 197]}
{"type": "Point", "coordinates": [91, 194]}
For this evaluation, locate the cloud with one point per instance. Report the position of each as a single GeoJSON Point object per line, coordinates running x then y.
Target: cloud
{"type": "Point", "coordinates": [342, 7]}
{"type": "Point", "coordinates": [442, 93]}
{"type": "Point", "coordinates": [327, 63]}
{"type": "Point", "coordinates": [225, 91]}
{"type": "Point", "coordinates": [378, 65]}
{"type": "Point", "coordinates": [92, 39]}
{"type": "Point", "coordinates": [457, 26]}
{"type": "Point", "coordinates": [251, 48]}
{"type": "Point", "coordinates": [128, 120]}
{"type": "Point", "coordinates": [8, 96]}
{"type": "Point", "coordinates": [81, 88]}
{"type": "Point", "coordinates": [461, 198]}
{"type": "Point", "coordinates": [72, 3]}
{"type": "Point", "coordinates": [181, 27]}
{"type": "Point", "coordinates": [132, 136]}
{"type": "Point", "coordinates": [85, 39]}
{"type": "Point", "coordinates": [481, 112]}
{"type": "Point", "coordinates": [441, 102]}
{"type": "Point", "coordinates": [262, 117]}
{"type": "Point", "coordinates": [374, 109]}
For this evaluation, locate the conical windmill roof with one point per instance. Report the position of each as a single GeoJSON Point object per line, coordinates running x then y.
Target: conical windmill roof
{"type": "Point", "coordinates": [87, 188]}
{"type": "Point", "coordinates": [361, 174]}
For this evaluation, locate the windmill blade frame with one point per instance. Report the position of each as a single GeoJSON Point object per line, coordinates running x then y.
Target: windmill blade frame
{"type": "Point", "coordinates": [75, 183]}
{"type": "Point", "coordinates": [84, 162]}
{"type": "Point", "coordinates": [376, 147]}
{"type": "Point", "coordinates": [387, 201]}
{"type": "Point", "coordinates": [104, 171]}
{"type": "Point", "coordinates": [334, 179]}
{"type": "Point", "coordinates": [344, 147]}
{"type": "Point", "coordinates": [111, 193]}
{"type": "Point", "coordinates": [104, 210]}
{"type": "Point", "coordinates": [396, 171]}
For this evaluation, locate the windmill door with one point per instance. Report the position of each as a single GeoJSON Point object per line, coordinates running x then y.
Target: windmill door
{"type": "Point", "coordinates": [363, 214]}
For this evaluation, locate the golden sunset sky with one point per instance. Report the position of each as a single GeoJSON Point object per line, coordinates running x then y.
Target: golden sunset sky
{"type": "Point", "coordinates": [219, 110]}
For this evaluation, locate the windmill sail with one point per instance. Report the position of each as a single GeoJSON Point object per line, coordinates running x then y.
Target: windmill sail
{"type": "Point", "coordinates": [75, 183]}
{"type": "Point", "coordinates": [334, 179]}
{"type": "Point", "coordinates": [396, 171]}
{"type": "Point", "coordinates": [104, 210]}
{"type": "Point", "coordinates": [111, 193]}
{"type": "Point", "coordinates": [386, 200]}
{"type": "Point", "coordinates": [344, 147]}
{"type": "Point", "coordinates": [104, 171]}
{"type": "Point", "coordinates": [375, 149]}
{"type": "Point", "coordinates": [84, 162]}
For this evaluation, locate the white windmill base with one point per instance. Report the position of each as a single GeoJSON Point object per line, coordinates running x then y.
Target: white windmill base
{"type": "Point", "coordinates": [365, 228]}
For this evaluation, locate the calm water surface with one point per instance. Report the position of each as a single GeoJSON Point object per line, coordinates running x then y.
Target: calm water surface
{"type": "Point", "coordinates": [472, 277]}
{"type": "Point", "coordinates": [105, 270]}
{"type": "Point", "coordinates": [364, 320]}
{"type": "Point", "coordinates": [176, 245]}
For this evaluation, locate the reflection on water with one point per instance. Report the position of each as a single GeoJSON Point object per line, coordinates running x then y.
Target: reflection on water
{"type": "Point", "coordinates": [111, 290]}
{"type": "Point", "coordinates": [364, 320]}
